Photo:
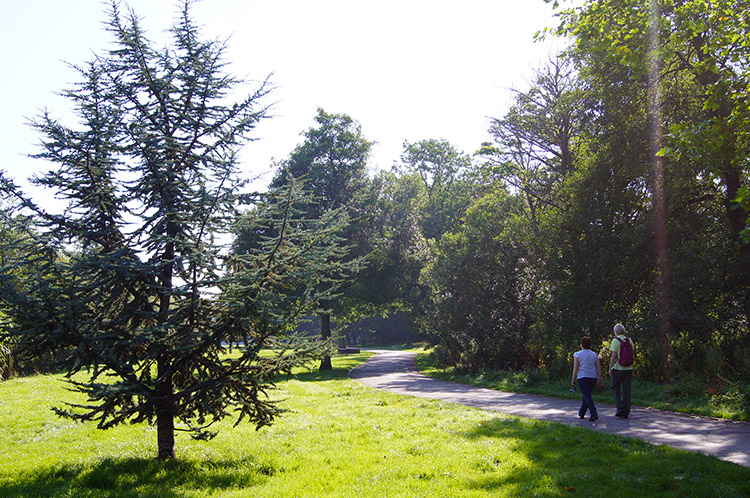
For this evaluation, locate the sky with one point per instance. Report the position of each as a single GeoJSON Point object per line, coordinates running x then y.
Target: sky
{"type": "Point", "coordinates": [406, 70]}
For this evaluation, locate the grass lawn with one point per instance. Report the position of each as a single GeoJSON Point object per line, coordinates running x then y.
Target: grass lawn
{"type": "Point", "coordinates": [341, 439]}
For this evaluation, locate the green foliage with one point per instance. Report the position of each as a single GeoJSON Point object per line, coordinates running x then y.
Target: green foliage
{"type": "Point", "coordinates": [332, 161]}
{"type": "Point", "coordinates": [579, 152]}
{"type": "Point", "coordinates": [7, 253]}
{"type": "Point", "coordinates": [704, 169]}
{"type": "Point", "coordinates": [6, 358]}
{"type": "Point", "coordinates": [284, 263]}
{"type": "Point", "coordinates": [444, 174]}
{"type": "Point", "coordinates": [416, 203]}
{"type": "Point", "coordinates": [479, 302]}
{"type": "Point", "coordinates": [743, 199]}
{"type": "Point", "coordinates": [398, 246]}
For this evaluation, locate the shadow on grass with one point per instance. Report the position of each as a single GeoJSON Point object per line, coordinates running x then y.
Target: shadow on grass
{"type": "Point", "coordinates": [552, 460]}
{"type": "Point", "coordinates": [342, 364]}
{"type": "Point", "coordinates": [135, 477]}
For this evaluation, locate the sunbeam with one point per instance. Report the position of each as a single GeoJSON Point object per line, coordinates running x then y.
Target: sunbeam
{"type": "Point", "coordinates": [660, 209]}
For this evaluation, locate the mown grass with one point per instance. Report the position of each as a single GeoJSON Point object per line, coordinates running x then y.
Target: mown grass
{"type": "Point", "coordinates": [685, 394]}
{"type": "Point", "coordinates": [341, 439]}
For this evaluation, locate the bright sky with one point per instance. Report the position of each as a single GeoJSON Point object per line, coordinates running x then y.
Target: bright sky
{"type": "Point", "coordinates": [404, 69]}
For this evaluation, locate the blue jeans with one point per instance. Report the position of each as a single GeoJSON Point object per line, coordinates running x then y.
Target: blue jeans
{"type": "Point", "coordinates": [586, 385]}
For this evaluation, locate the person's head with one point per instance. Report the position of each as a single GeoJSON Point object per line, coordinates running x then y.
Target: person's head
{"type": "Point", "coordinates": [619, 330]}
{"type": "Point", "coordinates": [586, 342]}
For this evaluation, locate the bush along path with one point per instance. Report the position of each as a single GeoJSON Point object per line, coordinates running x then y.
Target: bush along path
{"type": "Point", "coordinates": [395, 371]}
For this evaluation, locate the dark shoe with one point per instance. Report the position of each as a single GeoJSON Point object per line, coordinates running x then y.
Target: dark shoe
{"type": "Point", "coordinates": [620, 415]}
{"type": "Point", "coordinates": [581, 416]}
{"type": "Point", "coordinates": [594, 418]}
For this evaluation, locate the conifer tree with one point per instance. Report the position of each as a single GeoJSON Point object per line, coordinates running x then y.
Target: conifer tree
{"type": "Point", "coordinates": [130, 276]}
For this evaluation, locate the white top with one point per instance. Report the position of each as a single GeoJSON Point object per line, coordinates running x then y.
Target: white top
{"type": "Point", "coordinates": [587, 364]}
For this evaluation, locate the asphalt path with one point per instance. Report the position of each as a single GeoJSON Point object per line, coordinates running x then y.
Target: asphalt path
{"type": "Point", "coordinates": [395, 371]}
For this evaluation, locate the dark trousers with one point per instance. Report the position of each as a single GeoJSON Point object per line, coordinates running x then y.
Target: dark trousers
{"type": "Point", "coordinates": [622, 380]}
{"type": "Point", "coordinates": [586, 385]}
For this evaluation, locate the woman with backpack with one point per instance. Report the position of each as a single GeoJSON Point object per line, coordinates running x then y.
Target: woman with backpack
{"type": "Point", "coordinates": [587, 371]}
{"type": "Point", "coordinates": [621, 370]}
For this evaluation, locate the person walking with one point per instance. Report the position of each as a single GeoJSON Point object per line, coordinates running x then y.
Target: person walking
{"type": "Point", "coordinates": [587, 372]}
{"type": "Point", "coordinates": [621, 369]}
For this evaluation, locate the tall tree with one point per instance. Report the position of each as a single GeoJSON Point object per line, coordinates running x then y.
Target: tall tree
{"type": "Point", "coordinates": [690, 58]}
{"type": "Point", "coordinates": [444, 173]}
{"type": "Point", "coordinates": [332, 161]}
{"type": "Point", "coordinates": [479, 312]}
{"type": "Point", "coordinates": [710, 44]}
{"type": "Point", "coordinates": [303, 260]}
{"type": "Point", "coordinates": [399, 249]}
{"type": "Point", "coordinates": [540, 140]}
{"type": "Point", "coordinates": [131, 266]}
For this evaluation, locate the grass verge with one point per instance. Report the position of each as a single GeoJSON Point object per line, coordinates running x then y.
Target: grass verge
{"type": "Point", "coordinates": [686, 394]}
{"type": "Point", "coordinates": [341, 439]}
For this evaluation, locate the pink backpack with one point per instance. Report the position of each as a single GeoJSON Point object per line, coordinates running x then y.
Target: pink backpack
{"type": "Point", "coordinates": [625, 358]}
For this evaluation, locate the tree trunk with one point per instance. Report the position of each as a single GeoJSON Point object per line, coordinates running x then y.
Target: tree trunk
{"type": "Point", "coordinates": [660, 201]}
{"type": "Point", "coordinates": [737, 217]}
{"type": "Point", "coordinates": [164, 387]}
{"type": "Point", "coordinates": [325, 334]}
{"type": "Point", "coordinates": [731, 175]}
{"type": "Point", "coordinates": [164, 413]}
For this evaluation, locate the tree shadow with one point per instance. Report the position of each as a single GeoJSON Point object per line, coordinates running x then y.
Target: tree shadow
{"type": "Point", "coordinates": [138, 477]}
{"type": "Point", "coordinates": [548, 459]}
{"type": "Point", "coordinates": [342, 364]}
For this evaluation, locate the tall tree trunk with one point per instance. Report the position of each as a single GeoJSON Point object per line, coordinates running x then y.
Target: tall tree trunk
{"type": "Point", "coordinates": [164, 412]}
{"type": "Point", "coordinates": [732, 177]}
{"type": "Point", "coordinates": [720, 115]}
{"type": "Point", "coordinates": [164, 386]}
{"type": "Point", "coordinates": [660, 199]}
{"type": "Point", "coordinates": [325, 334]}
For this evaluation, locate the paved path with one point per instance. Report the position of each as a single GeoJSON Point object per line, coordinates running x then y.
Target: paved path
{"type": "Point", "coordinates": [395, 371]}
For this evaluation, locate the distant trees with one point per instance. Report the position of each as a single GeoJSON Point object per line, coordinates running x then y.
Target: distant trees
{"type": "Point", "coordinates": [12, 230]}
{"type": "Point", "coordinates": [399, 247]}
{"type": "Point", "coordinates": [287, 263]}
{"type": "Point", "coordinates": [614, 189]}
{"type": "Point", "coordinates": [394, 216]}
{"type": "Point", "coordinates": [443, 171]}
{"type": "Point", "coordinates": [332, 163]}
{"type": "Point", "coordinates": [129, 282]}
{"type": "Point", "coordinates": [422, 198]}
